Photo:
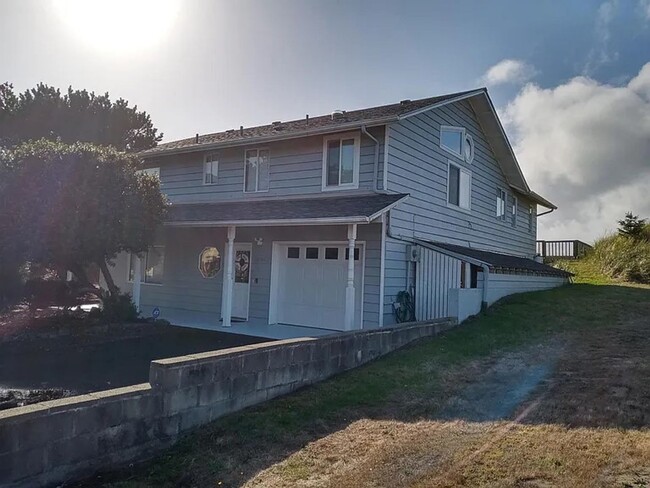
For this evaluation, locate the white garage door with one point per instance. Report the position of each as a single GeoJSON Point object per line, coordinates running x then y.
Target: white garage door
{"type": "Point", "coordinates": [311, 282]}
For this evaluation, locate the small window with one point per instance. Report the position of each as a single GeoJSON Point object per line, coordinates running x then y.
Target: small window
{"type": "Point", "coordinates": [331, 253]}
{"type": "Point", "coordinates": [210, 170]}
{"type": "Point", "coordinates": [356, 253]}
{"type": "Point", "coordinates": [501, 204]}
{"type": "Point", "coordinates": [459, 187]}
{"type": "Point", "coordinates": [341, 161]}
{"type": "Point", "coordinates": [451, 139]}
{"type": "Point", "coordinates": [152, 265]}
{"type": "Point", "coordinates": [293, 252]}
{"type": "Point", "coordinates": [150, 172]}
{"type": "Point", "coordinates": [531, 218]}
{"type": "Point", "coordinates": [515, 209]}
{"type": "Point", "coordinates": [256, 170]}
{"type": "Point", "coordinates": [311, 253]}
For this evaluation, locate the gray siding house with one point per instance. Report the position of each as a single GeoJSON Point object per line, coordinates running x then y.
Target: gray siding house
{"type": "Point", "coordinates": [321, 224]}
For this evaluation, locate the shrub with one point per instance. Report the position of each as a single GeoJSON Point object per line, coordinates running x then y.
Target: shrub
{"type": "Point", "coordinates": [117, 308]}
{"type": "Point", "coordinates": [624, 258]}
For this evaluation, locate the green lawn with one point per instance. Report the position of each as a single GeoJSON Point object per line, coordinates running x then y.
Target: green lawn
{"type": "Point", "coordinates": [405, 385]}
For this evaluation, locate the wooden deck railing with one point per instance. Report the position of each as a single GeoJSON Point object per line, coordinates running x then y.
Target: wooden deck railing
{"type": "Point", "coordinates": [562, 249]}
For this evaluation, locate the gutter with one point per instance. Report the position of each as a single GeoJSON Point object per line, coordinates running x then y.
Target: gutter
{"type": "Point", "coordinates": [376, 166]}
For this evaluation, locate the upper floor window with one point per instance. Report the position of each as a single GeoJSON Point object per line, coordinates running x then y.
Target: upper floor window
{"type": "Point", "coordinates": [459, 186]}
{"type": "Point", "coordinates": [256, 170]}
{"type": "Point", "coordinates": [501, 204]}
{"type": "Point", "coordinates": [210, 169]}
{"type": "Point", "coordinates": [531, 218]}
{"type": "Point", "coordinates": [515, 209]}
{"type": "Point", "coordinates": [150, 172]}
{"type": "Point", "coordinates": [152, 265]}
{"type": "Point", "coordinates": [341, 161]}
{"type": "Point", "coordinates": [458, 142]}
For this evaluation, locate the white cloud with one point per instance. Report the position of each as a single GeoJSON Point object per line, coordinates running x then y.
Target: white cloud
{"type": "Point", "coordinates": [601, 53]}
{"type": "Point", "coordinates": [509, 71]}
{"type": "Point", "coordinates": [586, 147]}
{"type": "Point", "coordinates": [644, 5]}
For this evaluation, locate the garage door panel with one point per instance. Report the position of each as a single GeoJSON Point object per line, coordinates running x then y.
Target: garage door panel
{"type": "Point", "coordinates": [311, 292]}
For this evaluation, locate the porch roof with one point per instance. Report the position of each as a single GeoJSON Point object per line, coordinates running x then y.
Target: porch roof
{"type": "Point", "coordinates": [494, 260]}
{"type": "Point", "coordinates": [303, 211]}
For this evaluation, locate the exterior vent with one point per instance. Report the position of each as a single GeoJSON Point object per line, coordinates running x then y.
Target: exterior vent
{"type": "Point", "coordinates": [338, 114]}
{"type": "Point", "coordinates": [196, 140]}
{"type": "Point", "coordinates": [405, 102]}
{"type": "Point", "coordinates": [230, 131]}
{"type": "Point", "coordinates": [277, 125]}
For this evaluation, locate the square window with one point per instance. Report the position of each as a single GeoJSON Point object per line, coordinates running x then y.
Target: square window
{"type": "Point", "coordinates": [331, 253]}
{"type": "Point", "coordinates": [311, 253]}
{"type": "Point", "coordinates": [293, 252]}
{"type": "Point", "coordinates": [356, 253]}
{"type": "Point", "coordinates": [451, 139]}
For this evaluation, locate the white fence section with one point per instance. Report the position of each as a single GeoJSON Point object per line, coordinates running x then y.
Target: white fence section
{"type": "Point", "coordinates": [501, 285]}
{"type": "Point", "coordinates": [435, 274]}
{"type": "Point", "coordinates": [464, 302]}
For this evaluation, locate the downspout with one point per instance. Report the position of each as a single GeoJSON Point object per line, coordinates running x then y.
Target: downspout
{"type": "Point", "coordinates": [376, 168]}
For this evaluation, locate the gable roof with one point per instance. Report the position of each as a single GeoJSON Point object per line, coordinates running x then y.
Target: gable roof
{"type": "Point", "coordinates": [296, 211]}
{"type": "Point", "coordinates": [355, 119]}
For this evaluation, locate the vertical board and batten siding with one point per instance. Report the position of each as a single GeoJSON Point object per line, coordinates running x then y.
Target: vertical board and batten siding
{"type": "Point", "coordinates": [435, 274]}
{"type": "Point", "coordinates": [418, 166]}
{"type": "Point", "coordinates": [295, 169]}
{"type": "Point", "coordinates": [186, 297]}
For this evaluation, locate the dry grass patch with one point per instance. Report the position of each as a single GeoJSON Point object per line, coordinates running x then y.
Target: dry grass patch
{"type": "Point", "coordinates": [453, 454]}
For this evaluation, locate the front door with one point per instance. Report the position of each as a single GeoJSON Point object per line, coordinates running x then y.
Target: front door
{"type": "Point", "coordinates": [241, 291]}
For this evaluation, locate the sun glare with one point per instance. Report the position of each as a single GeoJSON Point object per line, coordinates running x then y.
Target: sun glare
{"type": "Point", "coordinates": [120, 26]}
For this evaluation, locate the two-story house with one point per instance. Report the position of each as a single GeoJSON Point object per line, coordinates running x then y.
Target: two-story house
{"type": "Point", "coordinates": [318, 224]}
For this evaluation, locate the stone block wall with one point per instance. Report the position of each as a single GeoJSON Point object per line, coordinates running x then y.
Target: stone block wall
{"type": "Point", "coordinates": [61, 440]}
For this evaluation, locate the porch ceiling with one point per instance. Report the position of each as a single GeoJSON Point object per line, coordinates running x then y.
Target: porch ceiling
{"type": "Point", "coordinates": [304, 211]}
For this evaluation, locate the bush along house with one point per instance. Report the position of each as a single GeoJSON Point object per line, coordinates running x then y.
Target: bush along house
{"type": "Point", "coordinates": [353, 220]}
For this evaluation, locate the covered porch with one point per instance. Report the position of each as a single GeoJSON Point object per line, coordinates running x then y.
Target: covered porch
{"type": "Point", "coordinates": [270, 268]}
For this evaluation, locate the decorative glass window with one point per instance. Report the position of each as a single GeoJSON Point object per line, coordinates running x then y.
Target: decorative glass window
{"type": "Point", "coordinates": [210, 169]}
{"type": "Point", "coordinates": [458, 142]}
{"type": "Point", "coordinates": [256, 170]}
{"type": "Point", "coordinates": [501, 204]}
{"type": "Point", "coordinates": [341, 161]}
{"type": "Point", "coordinates": [515, 209]}
{"type": "Point", "coordinates": [152, 264]}
{"type": "Point", "coordinates": [209, 262]}
{"type": "Point", "coordinates": [459, 187]}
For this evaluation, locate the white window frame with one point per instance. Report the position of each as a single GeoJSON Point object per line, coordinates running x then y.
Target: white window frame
{"type": "Point", "coordinates": [468, 173]}
{"type": "Point", "coordinates": [214, 169]}
{"type": "Point", "coordinates": [257, 177]}
{"type": "Point", "coordinates": [143, 267]}
{"type": "Point", "coordinates": [531, 219]}
{"type": "Point", "coordinates": [502, 210]}
{"type": "Point", "coordinates": [515, 210]}
{"type": "Point", "coordinates": [465, 138]}
{"type": "Point", "coordinates": [355, 165]}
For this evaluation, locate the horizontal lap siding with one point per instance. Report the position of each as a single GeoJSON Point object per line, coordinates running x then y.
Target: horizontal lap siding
{"type": "Point", "coordinates": [185, 291]}
{"type": "Point", "coordinates": [504, 284]}
{"type": "Point", "coordinates": [295, 169]}
{"type": "Point", "coordinates": [418, 166]}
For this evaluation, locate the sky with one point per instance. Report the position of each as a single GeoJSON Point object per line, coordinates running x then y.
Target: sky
{"type": "Point", "coordinates": [570, 80]}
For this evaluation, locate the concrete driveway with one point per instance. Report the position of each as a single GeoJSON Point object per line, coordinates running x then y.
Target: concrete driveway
{"type": "Point", "coordinates": [102, 357]}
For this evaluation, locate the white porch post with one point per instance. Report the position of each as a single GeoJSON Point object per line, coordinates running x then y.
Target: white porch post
{"type": "Point", "coordinates": [349, 291]}
{"type": "Point", "coordinates": [137, 279]}
{"type": "Point", "coordinates": [228, 278]}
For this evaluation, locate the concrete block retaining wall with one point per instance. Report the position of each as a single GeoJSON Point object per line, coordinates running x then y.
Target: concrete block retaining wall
{"type": "Point", "coordinates": [60, 440]}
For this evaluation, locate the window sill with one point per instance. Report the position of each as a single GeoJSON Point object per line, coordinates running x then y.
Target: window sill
{"type": "Point", "coordinates": [340, 187]}
{"type": "Point", "coordinates": [252, 192]}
